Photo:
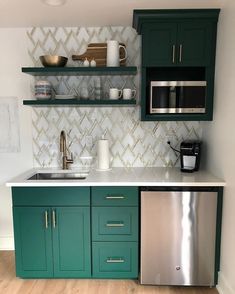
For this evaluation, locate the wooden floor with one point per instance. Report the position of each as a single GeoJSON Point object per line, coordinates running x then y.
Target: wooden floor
{"type": "Point", "coordinates": [9, 284]}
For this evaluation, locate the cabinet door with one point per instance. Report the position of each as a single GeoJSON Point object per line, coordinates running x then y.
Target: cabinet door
{"type": "Point", "coordinates": [71, 241]}
{"type": "Point", "coordinates": [115, 223]}
{"type": "Point", "coordinates": [115, 260]}
{"type": "Point", "coordinates": [195, 41]}
{"type": "Point", "coordinates": [159, 44]}
{"type": "Point", "coordinates": [33, 246]}
{"type": "Point", "coordinates": [114, 196]}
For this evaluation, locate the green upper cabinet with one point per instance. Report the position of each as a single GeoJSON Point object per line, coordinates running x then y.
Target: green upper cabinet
{"type": "Point", "coordinates": [52, 232]}
{"type": "Point", "coordinates": [177, 45]}
{"type": "Point", "coordinates": [195, 43]}
{"type": "Point", "coordinates": [171, 37]}
{"type": "Point", "coordinates": [182, 43]}
{"type": "Point", "coordinates": [159, 44]}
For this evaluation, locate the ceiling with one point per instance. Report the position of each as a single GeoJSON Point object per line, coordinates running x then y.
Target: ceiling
{"type": "Point", "coordinates": [28, 13]}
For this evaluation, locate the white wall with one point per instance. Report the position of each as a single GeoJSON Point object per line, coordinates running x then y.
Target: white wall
{"type": "Point", "coordinates": [13, 55]}
{"type": "Point", "coordinates": [220, 139]}
{"type": "Point", "coordinates": [91, 13]}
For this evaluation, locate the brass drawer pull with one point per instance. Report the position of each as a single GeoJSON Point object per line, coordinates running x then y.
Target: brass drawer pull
{"type": "Point", "coordinates": [173, 54]}
{"type": "Point", "coordinates": [46, 219]}
{"type": "Point", "coordinates": [115, 225]}
{"type": "Point", "coordinates": [115, 260]}
{"type": "Point", "coordinates": [53, 219]}
{"type": "Point", "coordinates": [115, 197]}
{"type": "Point", "coordinates": [181, 49]}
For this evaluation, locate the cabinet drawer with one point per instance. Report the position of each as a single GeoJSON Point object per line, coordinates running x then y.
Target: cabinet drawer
{"type": "Point", "coordinates": [115, 223]}
{"type": "Point", "coordinates": [51, 196]}
{"type": "Point", "coordinates": [115, 259]}
{"type": "Point", "coordinates": [115, 196]}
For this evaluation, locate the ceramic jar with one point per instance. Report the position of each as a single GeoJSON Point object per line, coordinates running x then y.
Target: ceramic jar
{"type": "Point", "coordinates": [43, 90]}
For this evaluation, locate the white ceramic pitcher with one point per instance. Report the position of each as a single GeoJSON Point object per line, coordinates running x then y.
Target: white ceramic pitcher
{"type": "Point", "coordinates": [113, 55]}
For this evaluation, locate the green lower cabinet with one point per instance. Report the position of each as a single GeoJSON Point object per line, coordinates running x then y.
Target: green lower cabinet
{"type": "Point", "coordinates": [33, 242]}
{"type": "Point", "coordinates": [52, 242]}
{"type": "Point", "coordinates": [59, 233]}
{"type": "Point", "coordinates": [115, 230]}
{"type": "Point", "coordinates": [115, 260]}
{"type": "Point", "coordinates": [71, 242]}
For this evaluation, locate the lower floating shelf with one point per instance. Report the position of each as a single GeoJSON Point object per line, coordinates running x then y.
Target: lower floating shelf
{"type": "Point", "coordinates": [79, 102]}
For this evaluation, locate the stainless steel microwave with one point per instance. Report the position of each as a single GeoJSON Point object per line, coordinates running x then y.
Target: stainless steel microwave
{"type": "Point", "coordinates": [177, 96]}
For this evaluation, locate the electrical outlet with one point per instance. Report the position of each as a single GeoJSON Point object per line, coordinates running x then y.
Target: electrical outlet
{"type": "Point", "coordinates": [89, 141]}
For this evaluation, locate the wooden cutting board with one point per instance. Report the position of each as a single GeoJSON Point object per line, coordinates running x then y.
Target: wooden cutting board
{"type": "Point", "coordinates": [98, 51]}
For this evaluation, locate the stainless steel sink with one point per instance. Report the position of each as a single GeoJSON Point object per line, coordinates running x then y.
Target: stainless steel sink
{"type": "Point", "coordinates": [59, 176]}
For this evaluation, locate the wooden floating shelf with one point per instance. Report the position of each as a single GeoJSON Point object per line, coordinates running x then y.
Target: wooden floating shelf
{"type": "Point", "coordinates": [66, 71]}
{"type": "Point", "coordinates": [79, 102]}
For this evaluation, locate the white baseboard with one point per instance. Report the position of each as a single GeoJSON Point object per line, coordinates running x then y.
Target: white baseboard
{"type": "Point", "coordinates": [7, 243]}
{"type": "Point", "coordinates": [223, 286]}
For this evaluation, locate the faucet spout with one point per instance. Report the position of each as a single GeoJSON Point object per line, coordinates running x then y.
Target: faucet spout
{"type": "Point", "coordinates": [63, 149]}
{"type": "Point", "coordinates": [63, 142]}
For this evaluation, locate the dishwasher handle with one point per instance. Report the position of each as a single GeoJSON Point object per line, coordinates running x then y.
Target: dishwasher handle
{"type": "Point", "coordinates": [180, 189]}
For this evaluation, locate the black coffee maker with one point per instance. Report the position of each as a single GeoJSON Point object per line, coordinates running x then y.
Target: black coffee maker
{"type": "Point", "coordinates": [190, 154]}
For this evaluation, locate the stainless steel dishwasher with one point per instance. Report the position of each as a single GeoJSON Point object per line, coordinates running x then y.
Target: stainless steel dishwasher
{"type": "Point", "coordinates": [178, 236]}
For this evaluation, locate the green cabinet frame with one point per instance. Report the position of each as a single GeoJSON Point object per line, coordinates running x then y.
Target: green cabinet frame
{"type": "Point", "coordinates": [115, 232]}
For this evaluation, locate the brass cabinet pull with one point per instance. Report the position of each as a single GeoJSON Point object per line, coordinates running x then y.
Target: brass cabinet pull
{"type": "Point", "coordinates": [115, 224]}
{"type": "Point", "coordinates": [181, 49]}
{"type": "Point", "coordinates": [173, 54]}
{"type": "Point", "coordinates": [46, 219]}
{"type": "Point", "coordinates": [115, 197]}
{"type": "Point", "coordinates": [115, 260]}
{"type": "Point", "coordinates": [53, 218]}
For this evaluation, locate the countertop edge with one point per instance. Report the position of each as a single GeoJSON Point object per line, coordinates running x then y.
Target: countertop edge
{"type": "Point", "coordinates": [133, 184]}
{"type": "Point", "coordinates": [165, 177]}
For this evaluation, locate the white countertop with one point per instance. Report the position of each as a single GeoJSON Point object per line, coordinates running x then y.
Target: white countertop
{"type": "Point", "coordinates": [140, 176]}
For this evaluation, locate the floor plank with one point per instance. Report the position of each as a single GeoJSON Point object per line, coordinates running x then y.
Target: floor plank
{"type": "Point", "coordinates": [9, 284]}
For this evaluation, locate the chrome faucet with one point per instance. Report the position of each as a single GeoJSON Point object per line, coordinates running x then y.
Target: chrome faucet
{"type": "Point", "coordinates": [63, 149]}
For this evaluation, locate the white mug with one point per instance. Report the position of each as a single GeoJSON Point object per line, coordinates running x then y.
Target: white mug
{"type": "Point", "coordinates": [113, 55]}
{"type": "Point", "coordinates": [115, 93]}
{"type": "Point", "coordinates": [84, 92]}
{"type": "Point", "coordinates": [128, 93]}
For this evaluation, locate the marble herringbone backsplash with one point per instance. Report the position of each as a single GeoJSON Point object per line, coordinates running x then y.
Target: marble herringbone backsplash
{"type": "Point", "coordinates": [132, 142]}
